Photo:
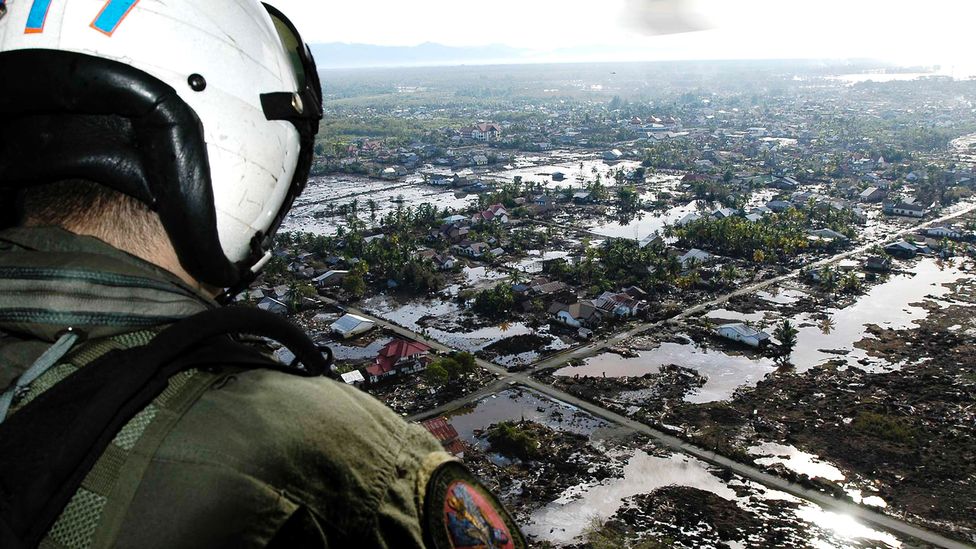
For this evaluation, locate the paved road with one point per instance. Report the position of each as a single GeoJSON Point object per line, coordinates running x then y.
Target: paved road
{"type": "Point", "coordinates": [507, 379]}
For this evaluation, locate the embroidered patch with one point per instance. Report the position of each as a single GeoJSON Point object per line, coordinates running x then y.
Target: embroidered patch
{"type": "Point", "coordinates": [461, 514]}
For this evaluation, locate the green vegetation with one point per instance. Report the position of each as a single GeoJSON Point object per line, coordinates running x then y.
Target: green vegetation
{"type": "Point", "coordinates": [890, 428]}
{"type": "Point", "coordinates": [600, 535]}
{"type": "Point", "coordinates": [514, 440]}
{"type": "Point", "coordinates": [786, 333]}
{"type": "Point", "coordinates": [391, 257]}
{"type": "Point", "coordinates": [495, 303]}
{"type": "Point", "coordinates": [447, 370]}
{"type": "Point", "coordinates": [778, 236]}
{"type": "Point", "coordinates": [355, 282]}
{"type": "Point", "coordinates": [629, 202]}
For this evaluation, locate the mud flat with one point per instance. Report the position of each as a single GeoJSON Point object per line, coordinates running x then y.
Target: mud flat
{"type": "Point", "coordinates": [878, 407]}
{"type": "Point", "coordinates": [587, 479]}
{"type": "Point", "coordinates": [891, 425]}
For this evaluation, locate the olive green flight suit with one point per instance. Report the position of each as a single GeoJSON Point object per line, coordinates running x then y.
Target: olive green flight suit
{"type": "Point", "coordinates": [224, 458]}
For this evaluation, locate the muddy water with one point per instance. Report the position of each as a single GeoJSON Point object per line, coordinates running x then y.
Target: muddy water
{"type": "Point", "coordinates": [515, 405]}
{"type": "Point", "coordinates": [725, 373]}
{"type": "Point", "coordinates": [888, 305]}
{"type": "Point", "coordinates": [650, 223]}
{"type": "Point", "coordinates": [575, 176]}
{"type": "Point", "coordinates": [564, 520]}
{"type": "Point", "coordinates": [568, 517]}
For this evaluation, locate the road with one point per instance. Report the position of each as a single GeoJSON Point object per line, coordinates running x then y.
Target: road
{"type": "Point", "coordinates": [507, 379]}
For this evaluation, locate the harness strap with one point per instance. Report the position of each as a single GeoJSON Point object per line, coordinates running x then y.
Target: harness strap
{"type": "Point", "coordinates": [49, 447]}
{"type": "Point", "coordinates": [40, 367]}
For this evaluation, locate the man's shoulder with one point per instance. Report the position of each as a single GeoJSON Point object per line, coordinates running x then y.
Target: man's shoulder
{"type": "Point", "coordinates": [327, 445]}
{"type": "Point", "coordinates": [261, 409]}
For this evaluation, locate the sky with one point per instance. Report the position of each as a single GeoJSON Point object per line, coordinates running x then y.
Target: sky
{"type": "Point", "coordinates": [902, 31]}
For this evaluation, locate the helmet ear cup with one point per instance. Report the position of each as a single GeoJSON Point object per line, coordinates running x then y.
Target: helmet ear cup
{"type": "Point", "coordinates": [158, 155]}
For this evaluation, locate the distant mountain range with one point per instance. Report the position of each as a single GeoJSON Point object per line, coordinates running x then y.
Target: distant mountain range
{"type": "Point", "coordinates": [338, 55]}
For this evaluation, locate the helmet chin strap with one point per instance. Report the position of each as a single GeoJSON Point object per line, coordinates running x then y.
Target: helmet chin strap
{"type": "Point", "coordinates": [229, 294]}
{"type": "Point", "coordinates": [259, 266]}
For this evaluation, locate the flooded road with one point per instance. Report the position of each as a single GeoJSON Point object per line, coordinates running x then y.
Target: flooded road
{"type": "Point", "coordinates": [566, 519]}
{"type": "Point", "coordinates": [642, 471]}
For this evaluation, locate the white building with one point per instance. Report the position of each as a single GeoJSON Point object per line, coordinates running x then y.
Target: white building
{"type": "Point", "coordinates": [354, 377]}
{"type": "Point", "coordinates": [351, 326]}
{"type": "Point", "coordinates": [743, 334]}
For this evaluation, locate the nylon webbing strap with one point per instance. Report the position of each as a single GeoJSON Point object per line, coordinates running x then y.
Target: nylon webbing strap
{"type": "Point", "coordinates": [77, 524]}
{"type": "Point", "coordinates": [40, 367]}
{"type": "Point", "coordinates": [51, 446]}
{"type": "Point", "coordinates": [95, 513]}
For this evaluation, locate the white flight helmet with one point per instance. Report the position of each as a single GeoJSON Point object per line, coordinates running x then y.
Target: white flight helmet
{"type": "Point", "coordinates": [206, 110]}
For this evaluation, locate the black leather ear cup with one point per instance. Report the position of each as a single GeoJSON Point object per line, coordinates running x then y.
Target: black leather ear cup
{"type": "Point", "coordinates": [75, 116]}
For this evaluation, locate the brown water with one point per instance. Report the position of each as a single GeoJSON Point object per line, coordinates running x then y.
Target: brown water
{"type": "Point", "coordinates": [725, 372]}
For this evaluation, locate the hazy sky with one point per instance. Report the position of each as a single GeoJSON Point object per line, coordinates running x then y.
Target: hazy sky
{"type": "Point", "coordinates": [931, 31]}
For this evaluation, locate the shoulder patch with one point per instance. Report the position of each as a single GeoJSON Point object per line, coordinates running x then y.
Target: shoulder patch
{"type": "Point", "coordinates": [460, 513]}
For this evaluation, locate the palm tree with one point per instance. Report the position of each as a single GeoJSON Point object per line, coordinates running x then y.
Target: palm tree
{"type": "Point", "coordinates": [827, 325]}
{"type": "Point", "coordinates": [516, 277]}
{"type": "Point", "coordinates": [730, 273]}
{"type": "Point", "coordinates": [828, 280]}
{"type": "Point", "coordinates": [786, 333]}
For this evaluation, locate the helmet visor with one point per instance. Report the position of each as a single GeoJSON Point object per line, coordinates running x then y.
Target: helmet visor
{"type": "Point", "coordinates": [305, 103]}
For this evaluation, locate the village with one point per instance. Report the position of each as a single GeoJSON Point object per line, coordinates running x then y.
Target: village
{"type": "Point", "coordinates": [784, 281]}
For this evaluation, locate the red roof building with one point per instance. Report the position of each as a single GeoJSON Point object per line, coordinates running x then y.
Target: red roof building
{"type": "Point", "coordinates": [399, 357]}
{"type": "Point", "coordinates": [446, 434]}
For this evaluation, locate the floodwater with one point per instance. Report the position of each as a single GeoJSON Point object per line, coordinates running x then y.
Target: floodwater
{"type": "Point", "coordinates": [344, 351]}
{"type": "Point", "coordinates": [311, 209]}
{"type": "Point", "coordinates": [577, 173]}
{"type": "Point", "coordinates": [535, 258]}
{"type": "Point", "coordinates": [650, 223]}
{"type": "Point", "coordinates": [475, 276]}
{"type": "Point", "coordinates": [410, 314]}
{"type": "Point", "coordinates": [799, 462]}
{"type": "Point", "coordinates": [519, 404]}
{"type": "Point", "coordinates": [725, 372]}
{"type": "Point", "coordinates": [780, 296]}
{"type": "Point", "coordinates": [568, 517]}
{"type": "Point", "coordinates": [880, 77]}
{"type": "Point", "coordinates": [735, 316]}
{"type": "Point", "coordinates": [564, 520]}
{"type": "Point", "coordinates": [888, 305]}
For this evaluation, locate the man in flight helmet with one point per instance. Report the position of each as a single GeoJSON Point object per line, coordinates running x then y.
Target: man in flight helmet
{"type": "Point", "coordinates": [149, 151]}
